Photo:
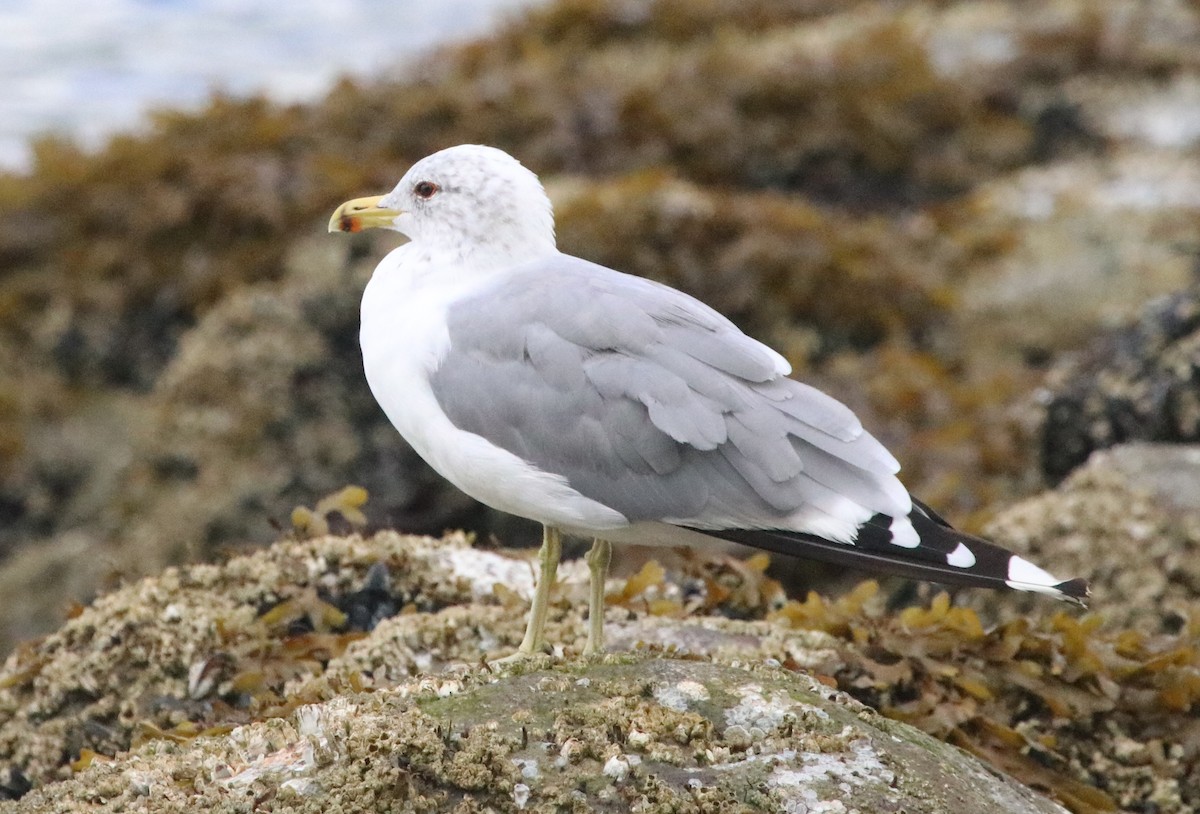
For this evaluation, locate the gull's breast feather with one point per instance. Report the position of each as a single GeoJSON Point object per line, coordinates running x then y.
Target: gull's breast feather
{"type": "Point", "coordinates": [404, 338]}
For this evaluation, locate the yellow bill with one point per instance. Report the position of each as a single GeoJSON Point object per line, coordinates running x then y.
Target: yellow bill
{"type": "Point", "coordinates": [362, 213]}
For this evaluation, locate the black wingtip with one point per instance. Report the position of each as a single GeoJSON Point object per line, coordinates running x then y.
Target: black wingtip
{"type": "Point", "coordinates": [1075, 590]}
{"type": "Point", "coordinates": [939, 557]}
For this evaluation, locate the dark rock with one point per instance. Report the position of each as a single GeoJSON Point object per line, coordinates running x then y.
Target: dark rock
{"type": "Point", "coordinates": [1139, 383]}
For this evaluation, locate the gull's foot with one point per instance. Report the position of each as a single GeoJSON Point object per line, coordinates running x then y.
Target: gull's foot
{"type": "Point", "coordinates": [519, 657]}
{"type": "Point", "coordinates": [592, 653]}
{"type": "Point", "coordinates": [516, 658]}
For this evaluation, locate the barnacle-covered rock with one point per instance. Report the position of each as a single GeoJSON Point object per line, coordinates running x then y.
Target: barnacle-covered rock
{"type": "Point", "coordinates": [1129, 520]}
{"type": "Point", "coordinates": [207, 664]}
{"type": "Point", "coordinates": [174, 651]}
{"type": "Point", "coordinates": [647, 734]}
{"type": "Point", "coordinates": [219, 686]}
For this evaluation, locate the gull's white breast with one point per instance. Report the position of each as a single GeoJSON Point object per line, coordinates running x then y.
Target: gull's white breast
{"type": "Point", "coordinates": [404, 339]}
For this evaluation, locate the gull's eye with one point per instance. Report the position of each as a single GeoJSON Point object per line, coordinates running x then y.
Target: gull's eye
{"type": "Point", "coordinates": [425, 189]}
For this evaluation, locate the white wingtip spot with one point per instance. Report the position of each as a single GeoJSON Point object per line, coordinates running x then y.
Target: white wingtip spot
{"type": "Point", "coordinates": [1025, 576]}
{"type": "Point", "coordinates": [961, 557]}
{"type": "Point", "coordinates": [903, 533]}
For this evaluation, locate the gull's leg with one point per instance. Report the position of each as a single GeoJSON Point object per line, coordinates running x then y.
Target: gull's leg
{"type": "Point", "coordinates": [548, 558]}
{"type": "Point", "coordinates": [597, 560]}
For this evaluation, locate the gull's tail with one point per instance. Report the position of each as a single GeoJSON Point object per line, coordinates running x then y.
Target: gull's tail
{"type": "Point", "coordinates": [943, 555]}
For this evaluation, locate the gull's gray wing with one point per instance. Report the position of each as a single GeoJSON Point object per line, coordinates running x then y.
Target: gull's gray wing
{"type": "Point", "coordinates": [651, 403]}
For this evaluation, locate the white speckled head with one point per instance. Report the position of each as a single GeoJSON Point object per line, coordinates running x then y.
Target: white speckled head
{"type": "Point", "coordinates": [473, 200]}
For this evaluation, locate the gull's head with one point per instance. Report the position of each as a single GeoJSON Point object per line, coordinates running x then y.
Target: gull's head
{"type": "Point", "coordinates": [468, 200]}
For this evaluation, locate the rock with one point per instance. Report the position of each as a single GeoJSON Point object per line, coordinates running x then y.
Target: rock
{"type": "Point", "coordinates": [217, 684]}
{"type": "Point", "coordinates": [201, 649]}
{"type": "Point", "coordinates": [1138, 383]}
{"type": "Point", "coordinates": [144, 655]}
{"type": "Point", "coordinates": [555, 738]}
{"type": "Point", "coordinates": [1169, 473]}
{"type": "Point", "coordinates": [1129, 521]}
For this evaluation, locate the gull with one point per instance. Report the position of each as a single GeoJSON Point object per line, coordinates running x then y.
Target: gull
{"type": "Point", "coordinates": [608, 406]}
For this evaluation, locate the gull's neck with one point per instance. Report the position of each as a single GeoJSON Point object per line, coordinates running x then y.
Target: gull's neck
{"type": "Point", "coordinates": [480, 256]}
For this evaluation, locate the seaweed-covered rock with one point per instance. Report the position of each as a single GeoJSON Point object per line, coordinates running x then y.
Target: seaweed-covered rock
{"type": "Point", "coordinates": [213, 645]}
{"type": "Point", "coordinates": [638, 734]}
{"type": "Point", "coordinates": [244, 683]}
{"type": "Point", "coordinates": [1138, 383]}
{"type": "Point", "coordinates": [1075, 706]}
